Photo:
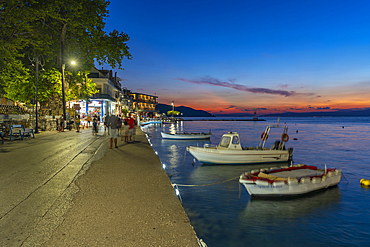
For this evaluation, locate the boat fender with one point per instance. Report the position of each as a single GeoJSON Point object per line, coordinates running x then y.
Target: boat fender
{"type": "Point", "coordinates": [365, 182]}
{"type": "Point", "coordinates": [262, 182]}
{"type": "Point", "coordinates": [264, 136]}
{"type": "Point", "coordinates": [292, 181]}
{"type": "Point", "coordinates": [305, 180]}
{"type": "Point", "coordinates": [284, 137]}
{"type": "Point", "coordinates": [278, 183]}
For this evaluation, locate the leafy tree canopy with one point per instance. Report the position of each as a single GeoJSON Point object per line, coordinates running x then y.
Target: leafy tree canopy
{"type": "Point", "coordinates": [60, 30]}
{"type": "Point", "coordinates": [173, 113]}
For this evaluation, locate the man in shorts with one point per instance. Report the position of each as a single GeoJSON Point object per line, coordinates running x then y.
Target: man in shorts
{"type": "Point", "coordinates": [131, 124]}
{"type": "Point", "coordinates": [112, 123]}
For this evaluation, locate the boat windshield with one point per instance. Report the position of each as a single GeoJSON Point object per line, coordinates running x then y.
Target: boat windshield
{"type": "Point", "coordinates": [225, 141]}
{"type": "Point", "coordinates": [235, 140]}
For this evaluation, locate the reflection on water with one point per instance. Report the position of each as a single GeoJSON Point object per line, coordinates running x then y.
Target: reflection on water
{"type": "Point", "coordinates": [281, 209]}
{"type": "Point", "coordinates": [335, 217]}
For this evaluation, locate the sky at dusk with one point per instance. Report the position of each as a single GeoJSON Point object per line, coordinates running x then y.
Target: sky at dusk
{"type": "Point", "coordinates": [236, 55]}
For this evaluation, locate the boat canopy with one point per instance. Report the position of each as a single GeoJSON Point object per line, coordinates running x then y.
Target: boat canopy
{"type": "Point", "coordinates": [230, 140]}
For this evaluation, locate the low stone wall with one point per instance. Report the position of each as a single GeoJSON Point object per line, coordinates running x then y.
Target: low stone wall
{"type": "Point", "coordinates": [45, 123]}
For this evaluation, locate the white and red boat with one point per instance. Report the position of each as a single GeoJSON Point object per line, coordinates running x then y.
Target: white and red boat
{"type": "Point", "coordinates": [289, 181]}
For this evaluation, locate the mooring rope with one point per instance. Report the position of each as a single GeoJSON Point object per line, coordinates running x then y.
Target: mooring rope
{"type": "Point", "coordinates": [193, 185]}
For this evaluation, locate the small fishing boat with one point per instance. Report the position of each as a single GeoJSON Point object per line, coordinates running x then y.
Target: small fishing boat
{"type": "Point", "coordinates": [186, 135]}
{"type": "Point", "coordinates": [150, 121]}
{"type": "Point", "coordinates": [229, 150]}
{"type": "Point", "coordinates": [289, 181]}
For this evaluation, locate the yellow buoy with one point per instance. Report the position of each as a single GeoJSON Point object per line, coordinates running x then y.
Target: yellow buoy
{"type": "Point", "coordinates": [365, 182]}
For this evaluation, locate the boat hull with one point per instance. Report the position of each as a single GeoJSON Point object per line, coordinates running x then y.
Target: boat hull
{"type": "Point", "coordinates": [238, 157]}
{"type": "Point", "coordinates": [150, 122]}
{"type": "Point", "coordinates": [190, 136]}
{"type": "Point", "coordinates": [295, 187]}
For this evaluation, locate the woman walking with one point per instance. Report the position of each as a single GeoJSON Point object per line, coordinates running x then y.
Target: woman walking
{"type": "Point", "coordinates": [78, 122]}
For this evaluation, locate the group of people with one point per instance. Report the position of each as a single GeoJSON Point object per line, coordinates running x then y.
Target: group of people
{"type": "Point", "coordinates": [117, 126]}
{"type": "Point", "coordinates": [77, 122]}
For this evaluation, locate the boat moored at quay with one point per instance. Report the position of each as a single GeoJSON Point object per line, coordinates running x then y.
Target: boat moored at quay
{"type": "Point", "coordinates": [186, 135]}
{"type": "Point", "coordinates": [286, 181]}
{"type": "Point", "coordinates": [230, 151]}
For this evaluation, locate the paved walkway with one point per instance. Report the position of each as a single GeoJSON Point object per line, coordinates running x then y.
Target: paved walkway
{"type": "Point", "coordinates": [125, 199]}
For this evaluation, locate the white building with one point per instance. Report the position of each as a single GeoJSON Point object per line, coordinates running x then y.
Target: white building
{"type": "Point", "coordinates": [106, 101]}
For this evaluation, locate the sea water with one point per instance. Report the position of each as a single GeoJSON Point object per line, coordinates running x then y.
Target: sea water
{"type": "Point", "coordinates": [223, 214]}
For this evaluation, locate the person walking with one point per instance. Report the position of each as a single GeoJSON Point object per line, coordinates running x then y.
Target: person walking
{"type": "Point", "coordinates": [88, 120]}
{"type": "Point", "coordinates": [78, 122]}
{"type": "Point", "coordinates": [95, 125]}
{"type": "Point", "coordinates": [119, 125]}
{"type": "Point", "coordinates": [112, 124]}
{"type": "Point", "coordinates": [105, 122]}
{"type": "Point", "coordinates": [61, 128]}
{"type": "Point", "coordinates": [131, 124]}
{"type": "Point", "coordinates": [125, 130]}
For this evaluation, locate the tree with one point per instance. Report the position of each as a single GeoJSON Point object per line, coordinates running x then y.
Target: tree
{"type": "Point", "coordinates": [59, 30]}
{"type": "Point", "coordinates": [173, 113]}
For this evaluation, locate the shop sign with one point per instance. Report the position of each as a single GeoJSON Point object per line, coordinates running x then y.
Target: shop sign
{"type": "Point", "coordinates": [95, 104]}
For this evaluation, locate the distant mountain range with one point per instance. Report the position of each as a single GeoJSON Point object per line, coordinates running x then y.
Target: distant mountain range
{"type": "Point", "coordinates": [337, 113]}
{"type": "Point", "coordinates": [190, 112]}
{"type": "Point", "coordinates": [186, 111]}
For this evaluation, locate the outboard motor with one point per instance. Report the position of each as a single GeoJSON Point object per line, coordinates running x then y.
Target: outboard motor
{"type": "Point", "coordinates": [278, 145]}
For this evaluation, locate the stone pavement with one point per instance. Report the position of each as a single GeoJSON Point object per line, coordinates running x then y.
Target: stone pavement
{"type": "Point", "coordinates": [125, 199]}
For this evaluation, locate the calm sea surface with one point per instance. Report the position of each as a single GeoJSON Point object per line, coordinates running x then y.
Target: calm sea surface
{"type": "Point", "coordinates": [336, 217]}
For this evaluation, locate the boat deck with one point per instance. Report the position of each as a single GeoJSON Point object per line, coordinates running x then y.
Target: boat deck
{"type": "Point", "coordinates": [298, 173]}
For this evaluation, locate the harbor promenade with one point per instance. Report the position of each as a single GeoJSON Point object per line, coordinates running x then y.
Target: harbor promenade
{"type": "Point", "coordinates": [124, 198]}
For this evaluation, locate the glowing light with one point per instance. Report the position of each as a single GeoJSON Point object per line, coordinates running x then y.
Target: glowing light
{"type": "Point", "coordinates": [156, 153]}
{"type": "Point", "coordinates": [164, 166]}
{"type": "Point", "coordinates": [177, 192]}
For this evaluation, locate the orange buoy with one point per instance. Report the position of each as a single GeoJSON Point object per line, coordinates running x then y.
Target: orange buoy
{"type": "Point", "coordinates": [264, 136]}
{"type": "Point", "coordinates": [284, 137]}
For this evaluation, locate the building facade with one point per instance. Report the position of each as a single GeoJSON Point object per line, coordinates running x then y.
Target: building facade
{"type": "Point", "coordinates": [106, 101]}
{"type": "Point", "coordinates": [112, 99]}
{"type": "Point", "coordinates": [144, 105]}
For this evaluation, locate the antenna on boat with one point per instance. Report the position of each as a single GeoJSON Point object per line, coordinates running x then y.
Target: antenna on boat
{"type": "Point", "coordinates": [325, 168]}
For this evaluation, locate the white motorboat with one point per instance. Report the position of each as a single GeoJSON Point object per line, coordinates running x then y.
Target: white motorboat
{"type": "Point", "coordinates": [150, 121]}
{"type": "Point", "coordinates": [289, 181]}
{"type": "Point", "coordinates": [186, 135]}
{"type": "Point", "coordinates": [229, 150]}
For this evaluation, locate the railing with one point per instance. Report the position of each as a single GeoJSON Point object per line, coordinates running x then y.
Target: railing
{"type": "Point", "coordinates": [207, 145]}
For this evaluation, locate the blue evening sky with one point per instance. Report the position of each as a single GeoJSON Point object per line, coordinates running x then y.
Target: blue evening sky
{"type": "Point", "coordinates": [234, 56]}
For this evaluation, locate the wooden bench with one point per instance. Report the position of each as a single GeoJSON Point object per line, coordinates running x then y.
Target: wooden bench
{"type": "Point", "coordinates": [19, 131]}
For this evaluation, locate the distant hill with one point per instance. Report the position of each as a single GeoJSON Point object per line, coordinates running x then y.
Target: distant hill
{"type": "Point", "coordinates": [186, 111]}
{"type": "Point", "coordinates": [338, 113]}
{"type": "Point", "coordinates": [235, 115]}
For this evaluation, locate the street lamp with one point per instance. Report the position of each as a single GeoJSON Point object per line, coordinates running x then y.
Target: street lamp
{"type": "Point", "coordinates": [173, 107]}
{"type": "Point", "coordinates": [63, 92]}
{"type": "Point", "coordinates": [38, 59]}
